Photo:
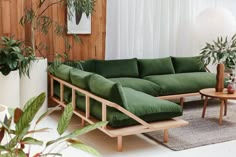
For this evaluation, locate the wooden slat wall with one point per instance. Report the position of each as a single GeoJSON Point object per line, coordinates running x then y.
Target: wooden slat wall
{"type": "Point", "coordinates": [10, 14]}
{"type": "Point", "coordinates": [92, 46]}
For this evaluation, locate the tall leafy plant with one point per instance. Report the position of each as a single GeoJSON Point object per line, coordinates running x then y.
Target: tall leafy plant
{"type": "Point", "coordinates": [14, 55]}
{"type": "Point", "coordinates": [223, 50]}
{"type": "Point", "coordinates": [16, 132]}
{"type": "Point", "coordinates": [40, 22]}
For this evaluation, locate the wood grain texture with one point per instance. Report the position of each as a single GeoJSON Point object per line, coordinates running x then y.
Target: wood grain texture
{"type": "Point", "coordinates": [92, 45]}
{"type": "Point", "coordinates": [10, 14]}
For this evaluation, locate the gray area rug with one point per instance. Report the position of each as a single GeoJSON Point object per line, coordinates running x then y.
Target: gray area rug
{"type": "Point", "coordinates": [200, 131]}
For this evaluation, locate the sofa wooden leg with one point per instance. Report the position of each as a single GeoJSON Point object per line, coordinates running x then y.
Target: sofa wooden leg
{"type": "Point", "coordinates": [119, 143]}
{"type": "Point", "coordinates": [182, 102]}
{"type": "Point", "coordinates": [82, 122]}
{"type": "Point", "coordinates": [166, 136]}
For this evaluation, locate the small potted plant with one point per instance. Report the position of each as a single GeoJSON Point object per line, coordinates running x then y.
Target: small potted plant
{"type": "Point", "coordinates": [15, 60]}
{"type": "Point", "coordinates": [17, 130]}
{"type": "Point", "coordinates": [223, 53]}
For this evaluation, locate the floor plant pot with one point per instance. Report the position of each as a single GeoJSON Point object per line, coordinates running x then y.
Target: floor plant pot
{"type": "Point", "coordinates": [220, 78]}
{"type": "Point", "coordinates": [10, 89]}
{"type": "Point", "coordinates": [36, 84]}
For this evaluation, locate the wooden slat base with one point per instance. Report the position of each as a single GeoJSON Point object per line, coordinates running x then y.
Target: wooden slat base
{"type": "Point", "coordinates": [118, 133]}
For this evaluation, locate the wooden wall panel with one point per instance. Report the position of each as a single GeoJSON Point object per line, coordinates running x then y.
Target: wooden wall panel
{"type": "Point", "coordinates": [92, 46]}
{"type": "Point", "coordinates": [10, 14]}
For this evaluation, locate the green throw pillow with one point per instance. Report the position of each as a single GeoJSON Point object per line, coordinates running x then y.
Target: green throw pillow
{"type": "Point", "coordinates": [63, 72]}
{"type": "Point", "coordinates": [188, 64]}
{"type": "Point", "coordinates": [80, 78]}
{"type": "Point", "coordinates": [107, 89]}
{"type": "Point", "coordinates": [117, 68]}
{"type": "Point", "coordinates": [158, 66]}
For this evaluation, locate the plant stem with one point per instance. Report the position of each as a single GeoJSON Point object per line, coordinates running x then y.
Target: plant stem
{"type": "Point", "coordinates": [40, 14]}
{"type": "Point", "coordinates": [32, 36]}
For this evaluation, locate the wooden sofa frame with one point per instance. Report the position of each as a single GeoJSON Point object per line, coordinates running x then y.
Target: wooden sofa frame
{"type": "Point", "coordinates": [118, 133]}
{"type": "Point", "coordinates": [181, 97]}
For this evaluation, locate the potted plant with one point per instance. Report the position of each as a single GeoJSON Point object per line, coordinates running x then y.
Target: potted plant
{"type": "Point", "coordinates": [15, 60]}
{"type": "Point", "coordinates": [17, 130]}
{"type": "Point", "coordinates": [40, 23]}
{"type": "Point", "coordinates": [223, 53]}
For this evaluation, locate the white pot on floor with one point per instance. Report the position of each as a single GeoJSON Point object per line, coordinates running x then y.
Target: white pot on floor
{"type": "Point", "coordinates": [10, 89]}
{"type": "Point", "coordinates": [36, 84]}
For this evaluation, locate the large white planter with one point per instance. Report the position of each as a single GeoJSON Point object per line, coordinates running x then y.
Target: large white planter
{"type": "Point", "coordinates": [10, 89]}
{"type": "Point", "coordinates": [36, 84]}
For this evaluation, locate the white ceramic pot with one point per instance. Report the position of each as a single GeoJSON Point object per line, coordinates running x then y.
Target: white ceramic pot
{"type": "Point", "coordinates": [36, 84]}
{"type": "Point", "coordinates": [10, 89]}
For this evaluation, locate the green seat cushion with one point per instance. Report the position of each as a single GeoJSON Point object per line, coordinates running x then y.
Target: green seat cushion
{"type": "Point", "coordinates": [67, 92]}
{"type": "Point", "coordinates": [183, 82]}
{"type": "Point", "coordinates": [88, 65]}
{"type": "Point", "coordinates": [188, 64]}
{"type": "Point", "coordinates": [117, 68]}
{"type": "Point", "coordinates": [63, 72]}
{"type": "Point", "coordinates": [141, 85]}
{"type": "Point", "coordinates": [144, 106]}
{"type": "Point", "coordinates": [80, 78]}
{"type": "Point", "coordinates": [158, 66]}
{"type": "Point", "coordinates": [107, 89]}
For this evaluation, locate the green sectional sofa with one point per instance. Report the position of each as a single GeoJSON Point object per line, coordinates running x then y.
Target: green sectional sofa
{"type": "Point", "coordinates": [125, 92]}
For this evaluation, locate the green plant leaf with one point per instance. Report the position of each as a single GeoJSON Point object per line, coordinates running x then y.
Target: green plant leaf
{"type": "Point", "coordinates": [38, 130]}
{"type": "Point", "coordinates": [85, 148]}
{"type": "Point", "coordinates": [30, 140]}
{"type": "Point", "coordinates": [78, 132]}
{"type": "Point", "coordinates": [52, 154]}
{"type": "Point", "coordinates": [21, 153]}
{"type": "Point", "coordinates": [28, 103]}
{"type": "Point", "coordinates": [2, 148]}
{"type": "Point", "coordinates": [65, 119]}
{"type": "Point", "coordinates": [30, 112]}
{"type": "Point", "coordinates": [19, 136]}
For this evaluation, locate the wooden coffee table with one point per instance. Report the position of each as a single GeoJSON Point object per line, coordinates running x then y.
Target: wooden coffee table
{"type": "Point", "coordinates": [222, 96]}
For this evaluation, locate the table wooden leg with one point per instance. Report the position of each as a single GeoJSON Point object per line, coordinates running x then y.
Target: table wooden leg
{"type": "Point", "coordinates": [202, 97]}
{"type": "Point", "coordinates": [204, 107]}
{"type": "Point", "coordinates": [225, 110]}
{"type": "Point", "coordinates": [222, 104]}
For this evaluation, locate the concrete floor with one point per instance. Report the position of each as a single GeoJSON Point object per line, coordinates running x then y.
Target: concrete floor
{"type": "Point", "coordinates": [134, 146]}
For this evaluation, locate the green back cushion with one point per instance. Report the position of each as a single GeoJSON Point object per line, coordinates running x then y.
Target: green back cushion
{"type": "Point", "coordinates": [138, 84]}
{"type": "Point", "coordinates": [183, 82]}
{"type": "Point", "coordinates": [157, 66]}
{"type": "Point", "coordinates": [80, 78]}
{"type": "Point", "coordinates": [88, 65]}
{"type": "Point", "coordinates": [188, 64]}
{"type": "Point", "coordinates": [107, 89]}
{"type": "Point", "coordinates": [63, 72]}
{"type": "Point", "coordinates": [117, 68]}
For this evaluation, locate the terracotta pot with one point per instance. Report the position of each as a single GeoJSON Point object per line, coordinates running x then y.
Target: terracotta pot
{"type": "Point", "coordinates": [220, 78]}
